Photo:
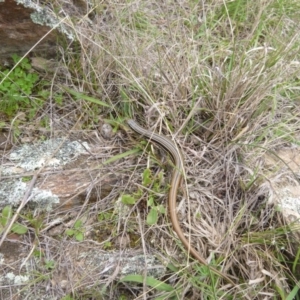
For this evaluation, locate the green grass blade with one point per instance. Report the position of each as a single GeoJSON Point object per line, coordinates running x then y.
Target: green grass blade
{"type": "Point", "coordinates": [121, 155]}
{"type": "Point", "coordinates": [79, 95]}
{"type": "Point", "coordinates": [294, 292]}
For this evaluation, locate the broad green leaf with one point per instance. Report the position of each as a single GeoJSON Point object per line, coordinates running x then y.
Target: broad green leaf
{"type": "Point", "coordinates": [150, 281]}
{"type": "Point", "coordinates": [152, 217]}
{"type": "Point", "coordinates": [7, 212]}
{"type": "Point", "coordinates": [19, 229]}
{"type": "Point", "coordinates": [78, 224]}
{"type": "Point", "coordinates": [70, 232]}
{"type": "Point", "coordinates": [128, 199]}
{"type": "Point", "coordinates": [6, 215]}
{"type": "Point", "coordinates": [150, 201]}
{"type": "Point", "coordinates": [79, 236]}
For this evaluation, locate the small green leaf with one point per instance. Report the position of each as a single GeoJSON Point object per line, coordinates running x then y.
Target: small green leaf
{"type": "Point", "coordinates": [26, 178]}
{"type": "Point", "coordinates": [150, 281]}
{"type": "Point", "coordinates": [78, 224]}
{"type": "Point", "coordinates": [18, 71]}
{"type": "Point", "coordinates": [19, 229]}
{"type": "Point", "coordinates": [15, 58]}
{"type": "Point", "coordinates": [104, 216]}
{"type": "Point", "coordinates": [107, 245]}
{"type": "Point", "coordinates": [150, 201]}
{"type": "Point", "coordinates": [152, 217]}
{"type": "Point", "coordinates": [38, 253]}
{"type": "Point", "coordinates": [79, 236]}
{"type": "Point", "coordinates": [50, 264]}
{"type": "Point", "coordinates": [161, 208]}
{"type": "Point", "coordinates": [128, 199]}
{"type": "Point", "coordinates": [7, 212]}
{"type": "Point", "coordinates": [6, 215]}
{"type": "Point", "coordinates": [70, 232]}
{"type": "Point", "coordinates": [6, 85]}
{"type": "Point", "coordinates": [147, 177]}
{"type": "Point", "coordinates": [198, 215]}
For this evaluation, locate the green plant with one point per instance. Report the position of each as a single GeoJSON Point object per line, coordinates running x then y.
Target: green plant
{"type": "Point", "coordinates": [155, 209]}
{"type": "Point", "coordinates": [155, 183]}
{"type": "Point", "coordinates": [76, 231]}
{"type": "Point", "coordinates": [107, 245]}
{"type": "Point", "coordinates": [104, 216]}
{"type": "Point", "coordinates": [36, 221]}
{"type": "Point", "coordinates": [49, 264]}
{"type": "Point", "coordinates": [16, 86]}
{"type": "Point", "coordinates": [5, 218]}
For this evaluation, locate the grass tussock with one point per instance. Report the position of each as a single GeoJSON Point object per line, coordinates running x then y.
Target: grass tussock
{"type": "Point", "coordinates": [222, 77]}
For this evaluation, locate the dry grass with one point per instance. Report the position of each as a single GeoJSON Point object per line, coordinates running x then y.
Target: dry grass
{"type": "Point", "coordinates": [222, 77]}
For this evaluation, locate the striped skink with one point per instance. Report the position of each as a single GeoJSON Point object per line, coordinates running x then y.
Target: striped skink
{"type": "Point", "coordinates": [169, 145]}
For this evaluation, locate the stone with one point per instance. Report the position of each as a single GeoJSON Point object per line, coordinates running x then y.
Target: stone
{"type": "Point", "coordinates": [69, 177]}
{"type": "Point", "coordinates": [25, 27]}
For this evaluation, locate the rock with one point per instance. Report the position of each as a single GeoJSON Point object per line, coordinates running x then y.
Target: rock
{"type": "Point", "coordinates": [87, 261]}
{"type": "Point", "coordinates": [285, 187]}
{"type": "Point", "coordinates": [27, 27]}
{"type": "Point", "coordinates": [69, 177]}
